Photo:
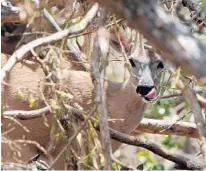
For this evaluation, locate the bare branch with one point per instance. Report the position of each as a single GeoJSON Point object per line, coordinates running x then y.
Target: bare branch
{"type": "Point", "coordinates": [18, 55]}
{"type": "Point", "coordinates": [154, 126]}
{"type": "Point", "coordinates": [17, 122]}
{"type": "Point", "coordinates": [180, 160]}
{"type": "Point", "coordinates": [44, 4]}
{"type": "Point", "coordinates": [165, 33]}
{"type": "Point", "coordinates": [26, 115]}
{"type": "Point", "coordinates": [97, 75]}
{"type": "Point", "coordinates": [201, 99]}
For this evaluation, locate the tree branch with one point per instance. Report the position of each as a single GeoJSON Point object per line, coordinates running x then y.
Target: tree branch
{"type": "Point", "coordinates": [97, 75]}
{"type": "Point", "coordinates": [26, 115]}
{"type": "Point", "coordinates": [44, 3]}
{"type": "Point", "coordinates": [152, 126]}
{"type": "Point", "coordinates": [180, 160]}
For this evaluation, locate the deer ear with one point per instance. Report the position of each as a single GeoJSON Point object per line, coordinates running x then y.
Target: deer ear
{"type": "Point", "coordinates": [120, 37]}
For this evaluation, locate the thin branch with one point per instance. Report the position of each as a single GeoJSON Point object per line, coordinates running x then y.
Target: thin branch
{"type": "Point", "coordinates": [201, 100]}
{"type": "Point", "coordinates": [19, 54]}
{"type": "Point", "coordinates": [17, 122]}
{"type": "Point", "coordinates": [52, 21]}
{"type": "Point", "coordinates": [22, 141]}
{"type": "Point", "coordinates": [43, 3]}
{"type": "Point", "coordinates": [180, 160]}
{"type": "Point", "coordinates": [26, 115]}
{"type": "Point", "coordinates": [100, 49]}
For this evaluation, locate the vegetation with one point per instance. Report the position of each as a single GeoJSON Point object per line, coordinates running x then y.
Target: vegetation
{"type": "Point", "coordinates": [75, 35]}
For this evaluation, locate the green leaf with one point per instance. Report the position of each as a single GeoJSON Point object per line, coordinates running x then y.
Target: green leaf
{"type": "Point", "coordinates": [204, 4]}
{"type": "Point", "coordinates": [158, 167]}
{"type": "Point", "coordinates": [169, 141]}
{"type": "Point", "coordinates": [32, 101]}
{"type": "Point", "coordinates": [115, 166]}
{"type": "Point", "coordinates": [142, 153]}
{"type": "Point", "coordinates": [124, 168]}
{"type": "Point", "coordinates": [20, 95]}
{"type": "Point", "coordinates": [140, 167]}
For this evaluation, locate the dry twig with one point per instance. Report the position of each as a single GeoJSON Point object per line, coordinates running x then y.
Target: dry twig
{"type": "Point", "coordinates": [26, 115]}
{"type": "Point", "coordinates": [22, 141]}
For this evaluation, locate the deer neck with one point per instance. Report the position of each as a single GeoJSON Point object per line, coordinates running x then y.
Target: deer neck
{"type": "Point", "coordinates": [125, 107]}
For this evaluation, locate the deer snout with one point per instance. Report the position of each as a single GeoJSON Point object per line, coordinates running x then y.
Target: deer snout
{"type": "Point", "coordinates": [148, 92]}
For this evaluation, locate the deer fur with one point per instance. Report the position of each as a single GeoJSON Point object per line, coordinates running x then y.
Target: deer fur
{"type": "Point", "coordinates": [125, 107]}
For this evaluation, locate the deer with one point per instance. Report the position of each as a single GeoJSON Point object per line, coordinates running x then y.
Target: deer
{"type": "Point", "coordinates": [126, 102]}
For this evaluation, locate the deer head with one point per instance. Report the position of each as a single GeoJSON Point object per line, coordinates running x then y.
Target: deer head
{"type": "Point", "coordinates": [146, 66]}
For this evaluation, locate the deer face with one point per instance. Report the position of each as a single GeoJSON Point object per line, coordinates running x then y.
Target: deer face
{"type": "Point", "coordinates": [146, 73]}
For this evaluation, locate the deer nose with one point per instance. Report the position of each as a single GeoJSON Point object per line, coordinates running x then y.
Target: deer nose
{"type": "Point", "coordinates": [144, 90]}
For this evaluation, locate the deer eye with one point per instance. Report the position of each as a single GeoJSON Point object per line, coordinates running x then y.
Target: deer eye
{"type": "Point", "coordinates": [160, 65]}
{"type": "Point", "coordinates": [132, 62]}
